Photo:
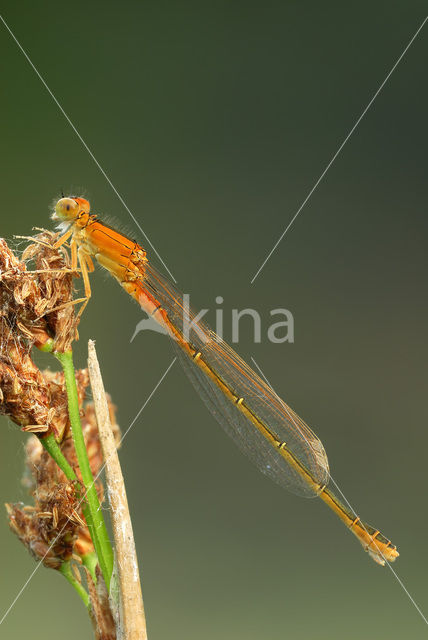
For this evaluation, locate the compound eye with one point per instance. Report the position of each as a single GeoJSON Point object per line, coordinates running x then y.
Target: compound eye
{"type": "Point", "coordinates": [66, 209]}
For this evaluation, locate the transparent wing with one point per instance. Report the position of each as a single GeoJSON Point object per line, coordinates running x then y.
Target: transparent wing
{"type": "Point", "coordinates": [244, 383]}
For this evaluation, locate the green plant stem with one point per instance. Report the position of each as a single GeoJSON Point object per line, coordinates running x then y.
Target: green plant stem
{"type": "Point", "coordinates": [54, 450]}
{"type": "Point", "coordinates": [67, 572]}
{"type": "Point", "coordinates": [91, 506]}
{"type": "Point", "coordinates": [90, 561]}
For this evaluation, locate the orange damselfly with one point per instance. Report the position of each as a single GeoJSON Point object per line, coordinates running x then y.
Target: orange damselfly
{"type": "Point", "coordinates": [266, 429]}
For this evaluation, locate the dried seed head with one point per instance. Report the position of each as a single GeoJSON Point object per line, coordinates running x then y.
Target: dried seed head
{"type": "Point", "coordinates": [30, 298]}
{"type": "Point", "coordinates": [29, 314]}
{"type": "Point", "coordinates": [50, 529]}
{"type": "Point", "coordinates": [18, 291]}
{"type": "Point", "coordinates": [55, 289]}
{"type": "Point", "coordinates": [34, 399]}
{"type": "Point", "coordinates": [47, 531]}
{"type": "Point", "coordinates": [25, 395]}
{"type": "Point", "coordinates": [57, 510]}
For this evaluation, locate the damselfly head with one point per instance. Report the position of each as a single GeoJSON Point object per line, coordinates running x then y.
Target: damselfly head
{"type": "Point", "coordinates": [69, 209]}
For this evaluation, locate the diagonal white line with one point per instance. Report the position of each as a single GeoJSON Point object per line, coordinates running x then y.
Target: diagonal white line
{"type": "Point", "coordinates": [145, 404]}
{"type": "Point", "coordinates": [42, 80]}
{"type": "Point", "coordinates": [400, 582]}
{"type": "Point", "coordinates": [36, 568]}
{"type": "Point", "coordinates": [403, 586]}
{"type": "Point", "coordinates": [340, 148]}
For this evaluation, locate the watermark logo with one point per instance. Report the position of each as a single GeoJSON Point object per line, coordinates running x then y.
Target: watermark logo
{"type": "Point", "coordinates": [147, 324]}
{"type": "Point", "coordinates": [279, 328]}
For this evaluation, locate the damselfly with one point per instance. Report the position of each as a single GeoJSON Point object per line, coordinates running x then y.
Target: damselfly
{"type": "Point", "coordinates": [266, 429]}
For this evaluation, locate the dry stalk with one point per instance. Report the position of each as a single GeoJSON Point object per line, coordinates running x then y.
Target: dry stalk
{"type": "Point", "coordinates": [132, 623]}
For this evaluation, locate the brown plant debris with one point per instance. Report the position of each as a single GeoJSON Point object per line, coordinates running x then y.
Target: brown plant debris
{"type": "Point", "coordinates": [37, 303]}
{"type": "Point", "coordinates": [56, 516]}
{"type": "Point", "coordinates": [102, 618]}
{"type": "Point", "coordinates": [35, 309]}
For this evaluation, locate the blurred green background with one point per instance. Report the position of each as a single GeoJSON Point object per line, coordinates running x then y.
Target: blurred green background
{"type": "Point", "coordinates": [214, 120]}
